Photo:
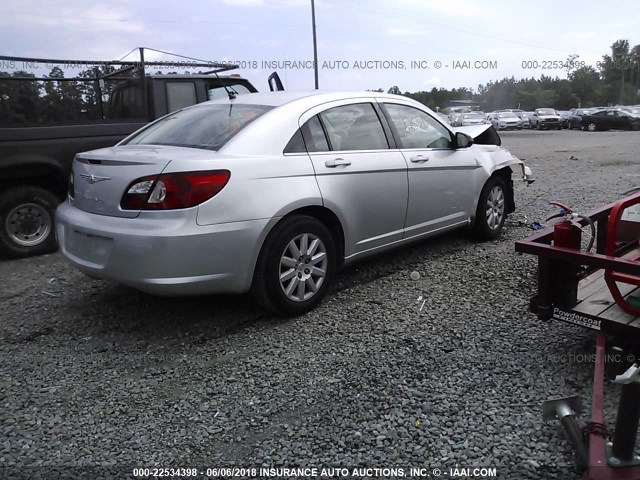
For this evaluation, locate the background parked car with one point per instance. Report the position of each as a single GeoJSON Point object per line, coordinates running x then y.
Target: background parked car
{"type": "Point", "coordinates": [465, 119]}
{"type": "Point", "coordinates": [505, 121]}
{"type": "Point", "coordinates": [632, 110]}
{"type": "Point", "coordinates": [524, 116]}
{"type": "Point", "coordinates": [545, 118]}
{"type": "Point", "coordinates": [611, 118]}
{"type": "Point", "coordinates": [453, 118]}
{"type": "Point", "coordinates": [575, 118]}
{"type": "Point", "coordinates": [273, 192]}
{"type": "Point", "coordinates": [443, 118]}
{"type": "Point", "coordinates": [564, 118]}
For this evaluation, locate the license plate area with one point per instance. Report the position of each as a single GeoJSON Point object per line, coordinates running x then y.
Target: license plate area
{"type": "Point", "coordinates": [92, 249]}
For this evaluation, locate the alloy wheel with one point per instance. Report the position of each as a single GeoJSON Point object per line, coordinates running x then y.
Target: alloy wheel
{"type": "Point", "coordinates": [495, 207]}
{"type": "Point", "coordinates": [303, 267]}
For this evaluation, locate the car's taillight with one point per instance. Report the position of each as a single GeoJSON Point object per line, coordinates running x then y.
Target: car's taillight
{"type": "Point", "coordinates": [173, 190]}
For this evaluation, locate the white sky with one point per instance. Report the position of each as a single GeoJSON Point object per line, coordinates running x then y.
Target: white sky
{"type": "Point", "coordinates": [348, 31]}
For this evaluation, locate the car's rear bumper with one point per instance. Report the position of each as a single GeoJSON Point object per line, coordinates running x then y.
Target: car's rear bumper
{"type": "Point", "coordinates": [164, 256]}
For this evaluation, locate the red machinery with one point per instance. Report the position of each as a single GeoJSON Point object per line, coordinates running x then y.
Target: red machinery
{"type": "Point", "coordinates": [596, 290]}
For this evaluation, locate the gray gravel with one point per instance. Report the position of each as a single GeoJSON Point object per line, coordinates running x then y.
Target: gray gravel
{"type": "Point", "coordinates": [95, 374]}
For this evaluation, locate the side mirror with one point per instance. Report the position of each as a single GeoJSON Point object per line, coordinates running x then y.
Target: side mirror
{"type": "Point", "coordinates": [463, 140]}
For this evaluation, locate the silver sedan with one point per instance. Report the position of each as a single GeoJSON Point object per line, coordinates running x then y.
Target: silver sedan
{"type": "Point", "coordinates": [273, 192]}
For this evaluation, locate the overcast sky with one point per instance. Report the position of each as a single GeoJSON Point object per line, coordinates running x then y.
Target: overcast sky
{"type": "Point", "coordinates": [354, 32]}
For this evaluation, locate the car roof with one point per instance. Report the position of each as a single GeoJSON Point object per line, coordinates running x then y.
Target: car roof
{"type": "Point", "coordinates": [314, 97]}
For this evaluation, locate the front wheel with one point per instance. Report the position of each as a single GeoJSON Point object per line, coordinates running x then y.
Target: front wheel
{"type": "Point", "coordinates": [295, 266]}
{"type": "Point", "coordinates": [26, 222]}
{"type": "Point", "coordinates": [592, 127]}
{"type": "Point", "coordinates": [491, 211]}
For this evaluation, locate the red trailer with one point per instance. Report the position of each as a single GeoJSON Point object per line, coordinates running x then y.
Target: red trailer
{"type": "Point", "coordinates": [601, 291]}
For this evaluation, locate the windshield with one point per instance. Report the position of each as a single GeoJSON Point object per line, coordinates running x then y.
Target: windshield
{"type": "Point", "coordinates": [472, 116]}
{"type": "Point", "coordinates": [507, 115]}
{"type": "Point", "coordinates": [546, 111]}
{"type": "Point", "coordinates": [205, 126]}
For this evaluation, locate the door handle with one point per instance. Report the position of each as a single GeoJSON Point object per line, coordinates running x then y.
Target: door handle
{"type": "Point", "coordinates": [338, 162]}
{"type": "Point", "coordinates": [419, 159]}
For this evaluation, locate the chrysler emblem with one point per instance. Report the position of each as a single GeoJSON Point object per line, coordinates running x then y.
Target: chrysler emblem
{"type": "Point", "coordinates": [91, 179]}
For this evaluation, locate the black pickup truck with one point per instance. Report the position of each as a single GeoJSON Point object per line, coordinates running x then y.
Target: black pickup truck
{"type": "Point", "coordinates": [36, 157]}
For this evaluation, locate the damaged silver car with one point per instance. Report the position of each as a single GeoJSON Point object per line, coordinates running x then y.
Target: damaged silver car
{"type": "Point", "coordinates": [272, 192]}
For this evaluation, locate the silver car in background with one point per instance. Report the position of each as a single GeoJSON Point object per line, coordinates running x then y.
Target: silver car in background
{"type": "Point", "coordinates": [505, 121]}
{"type": "Point", "coordinates": [272, 192]}
{"type": "Point", "coordinates": [467, 119]}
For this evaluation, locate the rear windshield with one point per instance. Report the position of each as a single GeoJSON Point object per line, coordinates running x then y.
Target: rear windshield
{"type": "Point", "coordinates": [204, 126]}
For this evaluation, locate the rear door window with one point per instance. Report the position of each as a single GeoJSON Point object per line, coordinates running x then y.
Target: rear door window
{"type": "Point", "coordinates": [354, 127]}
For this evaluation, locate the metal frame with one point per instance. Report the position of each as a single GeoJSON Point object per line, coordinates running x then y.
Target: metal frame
{"type": "Point", "coordinates": [553, 259]}
{"type": "Point", "coordinates": [606, 460]}
{"type": "Point", "coordinates": [127, 66]}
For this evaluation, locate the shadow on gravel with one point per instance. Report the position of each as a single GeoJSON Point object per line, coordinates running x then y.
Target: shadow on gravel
{"type": "Point", "coordinates": [106, 309]}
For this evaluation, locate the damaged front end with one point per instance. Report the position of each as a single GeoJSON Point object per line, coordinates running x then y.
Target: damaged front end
{"type": "Point", "coordinates": [488, 141]}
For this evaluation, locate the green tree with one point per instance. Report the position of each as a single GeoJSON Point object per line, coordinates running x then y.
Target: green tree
{"type": "Point", "coordinates": [615, 70]}
{"type": "Point", "coordinates": [587, 86]}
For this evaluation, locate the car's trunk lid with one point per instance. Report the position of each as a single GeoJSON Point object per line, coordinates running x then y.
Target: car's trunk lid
{"type": "Point", "coordinates": [101, 177]}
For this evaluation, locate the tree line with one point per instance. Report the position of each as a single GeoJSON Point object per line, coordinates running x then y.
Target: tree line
{"type": "Point", "coordinates": [615, 81]}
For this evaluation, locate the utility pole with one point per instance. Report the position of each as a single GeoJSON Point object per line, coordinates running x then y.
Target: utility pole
{"type": "Point", "coordinates": [315, 45]}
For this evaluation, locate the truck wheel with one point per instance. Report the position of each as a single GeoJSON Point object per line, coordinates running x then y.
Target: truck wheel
{"type": "Point", "coordinates": [26, 222]}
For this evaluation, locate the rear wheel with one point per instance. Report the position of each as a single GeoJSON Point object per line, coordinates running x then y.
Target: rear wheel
{"type": "Point", "coordinates": [295, 266]}
{"type": "Point", "coordinates": [26, 222]}
{"type": "Point", "coordinates": [491, 211]}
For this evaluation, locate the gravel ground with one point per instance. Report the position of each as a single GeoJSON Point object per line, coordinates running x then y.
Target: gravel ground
{"type": "Point", "coordinates": [95, 374]}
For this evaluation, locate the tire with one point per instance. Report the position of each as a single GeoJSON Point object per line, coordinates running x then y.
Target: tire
{"type": "Point", "coordinates": [538, 127]}
{"type": "Point", "coordinates": [591, 127]}
{"type": "Point", "coordinates": [492, 210]}
{"type": "Point", "coordinates": [267, 288]}
{"type": "Point", "coordinates": [558, 128]}
{"type": "Point", "coordinates": [569, 126]}
{"type": "Point", "coordinates": [26, 222]}
{"type": "Point", "coordinates": [635, 127]}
